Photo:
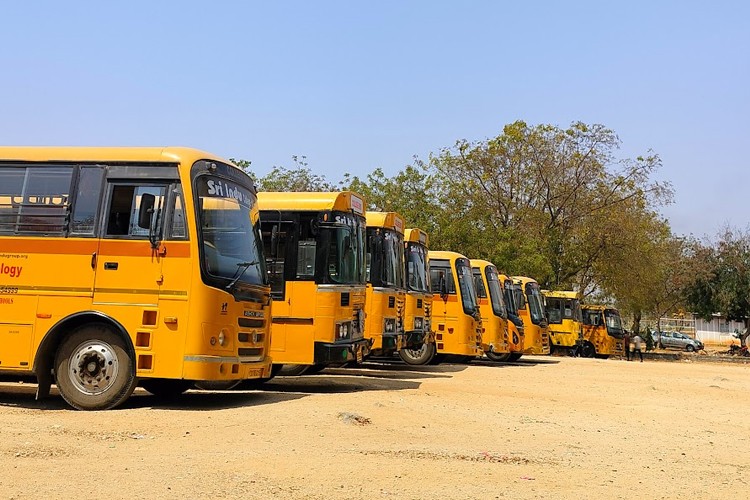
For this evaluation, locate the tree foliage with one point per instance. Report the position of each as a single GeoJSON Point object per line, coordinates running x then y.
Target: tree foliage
{"type": "Point", "coordinates": [557, 204]}
{"type": "Point", "coordinates": [549, 202]}
{"type": "Point", "coordinates": [721, 282]}
{"type": "Point", "coordinates": [298, 178]}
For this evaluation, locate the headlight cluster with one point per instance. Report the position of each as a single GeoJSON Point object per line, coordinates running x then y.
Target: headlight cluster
{"type": "Point", "coordinates": [389, 325]}
{"type": "Point", "coordinates": [344, 330]}
{"type": "Point", "coordinates": [418, 323]}
{"type": "Point", "coordinates": [359, 320]}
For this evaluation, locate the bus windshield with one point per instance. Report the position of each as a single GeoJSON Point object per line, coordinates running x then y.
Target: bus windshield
{"type": "Point", "coordinates": [534, 298]}
{"type": "Point", "coordinates": [614, 323]}
{"type": "Point", "coordinates": [231, 242]}
{"type": "Point", "coordinates": [466, 285]}
{"type": "Point", "coordinates": [418, 278]}
{"type": "Point", "coordinates": [511, 299]}
{"type": "Point", "coordinates": [496, 293]}
{"type": "Point", "coordinates": [386, 265]}
{"type": "Point", "coordinates": [346, 249]}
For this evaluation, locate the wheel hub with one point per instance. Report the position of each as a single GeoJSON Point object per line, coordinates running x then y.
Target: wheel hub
{"type": "Point", "coordinates": [93, 367]}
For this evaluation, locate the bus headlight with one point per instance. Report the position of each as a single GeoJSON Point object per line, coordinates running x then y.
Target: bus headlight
{"type": "Point", "coordinates": [343, 331]}
{"type": "Point", "coordinates": [418, 323]}
{"type": "Point", "coordinates": [222, 338]}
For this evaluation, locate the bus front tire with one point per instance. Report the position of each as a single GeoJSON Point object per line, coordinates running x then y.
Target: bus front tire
{"type": "Point", "coordinates": [166, 388]}
{"type": "Point", "coordinates": [498, 358]}
{"type": "Point", "coordinates": [93, 369]}
{"type": "Point", "coordinates": [515, 356]}
{"type": "Point", "coordinates": [214, 385]}
{"type": "Point", "coordinates": [417, 357]}
{"type": "Point", "coordinates": [292, 370]}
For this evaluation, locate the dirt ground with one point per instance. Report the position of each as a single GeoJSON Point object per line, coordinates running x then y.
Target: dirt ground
{"type": "Point", "coordinates": [544, 427]}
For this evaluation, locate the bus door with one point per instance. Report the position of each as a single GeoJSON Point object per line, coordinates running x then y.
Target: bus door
{"type": "Point", "coordinates": [129, 261]}
{"type": "Point", "coordinates": [278, 235]}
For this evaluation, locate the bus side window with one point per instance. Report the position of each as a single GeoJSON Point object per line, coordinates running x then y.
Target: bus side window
{"type": "Point", "coordinates": [122, 218]}
{"type": "Point", "coordinates": [88, 196]}
{"type": "Point", "coordinates": [177, 226]}
{"type": "Point", "coordinates": [35, 199]}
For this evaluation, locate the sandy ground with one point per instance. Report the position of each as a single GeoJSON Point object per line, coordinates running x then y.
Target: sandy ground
{"type": "Point", "coordinates": [551, 427]}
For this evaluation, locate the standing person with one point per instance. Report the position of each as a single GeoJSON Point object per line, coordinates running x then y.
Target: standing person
{"type": "Point", "coordinates": [626, 344]}
{"type": "Point", "coordinates": [637, 340]}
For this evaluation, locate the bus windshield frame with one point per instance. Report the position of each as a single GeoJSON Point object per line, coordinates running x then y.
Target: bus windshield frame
{"type": "Point", "coordinates": [613, 322]}
{"type": "Point", "coordinates": [496, 292]}
{"type": "Point", "coordinates": [342, 238]}
{"type": "Point", "coordinates": [386, 259]}
{"type": "Point", "coordinates": [417, 268]}
{"type": "Point", "coordinates": [535, 303]}
{"type": "Point", "coordinates": [466, 286]}
{"type": "Point", "coordinates": [231, 252]}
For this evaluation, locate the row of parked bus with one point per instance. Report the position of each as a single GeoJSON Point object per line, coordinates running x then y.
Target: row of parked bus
{"type": "Point", "coordinates": [164, 268]}
{"type": "Point", "coordinates": [348, 283]}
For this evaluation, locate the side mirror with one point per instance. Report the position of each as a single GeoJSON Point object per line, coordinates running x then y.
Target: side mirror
{"type": "Point", "coordinates": [146, 210]}
{"type": "Point", "coordinates": [443, 288]}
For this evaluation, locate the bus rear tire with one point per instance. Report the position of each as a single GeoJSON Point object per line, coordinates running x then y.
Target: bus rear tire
{"type": "Point", "coordinates": [588, 350]}
{"type": "Point", "coordinates": [214, 385]}
{"type": "Point", "coordinates": [166, 388]}
{"type": "Point", "coordinates": [93, 369]}
{"type": "Point", "coordinates": [292, 370]}
{"type": "Point", "coordinates": [417, 357]}
{"type": "Point", "coordinates": [498, 358]}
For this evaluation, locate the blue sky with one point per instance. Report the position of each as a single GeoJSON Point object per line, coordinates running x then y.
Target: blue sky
{"type": "Point", "coordinates": [360, 85]}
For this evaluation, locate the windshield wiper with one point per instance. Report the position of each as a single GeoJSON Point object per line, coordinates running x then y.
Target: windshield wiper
{"type": "Point", "coordinates": [241, 268]}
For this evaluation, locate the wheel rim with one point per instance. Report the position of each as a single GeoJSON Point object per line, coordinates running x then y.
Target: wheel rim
{"type": "Point", "coordinates": [93, 367]}
{"type": "Point", "coordinates": [416, 353]}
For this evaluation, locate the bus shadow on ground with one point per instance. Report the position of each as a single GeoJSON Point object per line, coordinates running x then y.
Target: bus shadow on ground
{"type": "Point", "coordinates": [396, 371]}
{"type": "Point", "coordinates": [521, 362]}
{"type": "Point", "coordinates": [207, 400]}
{"type": "Point", "coordinates": [23, 396]}
{"type": "Point", "coordinates": [342, 382]}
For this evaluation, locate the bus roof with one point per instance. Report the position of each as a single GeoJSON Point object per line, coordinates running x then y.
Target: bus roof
{"type": "Point", "coordinates": [481, 263]}
{"type": "Point", "coordinates": [105, 154]}
{"type": "Point", "coordinates": [417, 236]}
{"type": "Point", "coordinates": [342, 201]}
{"type": "Point", "coordinates": [523, 279]}
{"type": "Point", "coordinates": [444, 254]}
{"type": "Point", "coordinates": [598, 307]}
{"type": "Point", "coordinates": [388, 220]}
{"type": "Point", "coordinates": [560, 294]}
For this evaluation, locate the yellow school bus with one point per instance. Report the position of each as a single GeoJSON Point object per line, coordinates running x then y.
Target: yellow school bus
{"type": "Point", "coordinates": [516, 334]}
{"type": "Point", "coordinates": [602, 331]}
{"type": "Point", "coordinates": [564, 318]}
{"type": "Point", "coordinates": [455, 311]}
{"type": "Point", "coordinates": [418, 306]}
{"type": "Point", "coordinates": [315, 253]}
{"type": "Point", "coordinates": [386, 286]}
{"type": "Point", "coordinates": [531, 311]}
{"type": "Point", "coordinates": [492, 308]}
{"type": "Point", "coordinates": [128, 265]}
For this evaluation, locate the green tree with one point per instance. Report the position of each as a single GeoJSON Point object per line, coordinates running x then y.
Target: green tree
{"type": "Point", "coordinates": [547, 202]}
{"type": "Point", "coordinates": [722, 279]}
{"type": "Point", "coordinates": [299, 178]}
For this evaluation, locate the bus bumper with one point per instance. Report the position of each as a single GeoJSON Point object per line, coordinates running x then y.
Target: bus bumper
{"type": "Point", "coordinates": [327, 353]}
{"type": "Point", "coordinates": [219, 368]}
